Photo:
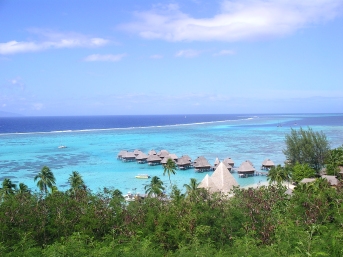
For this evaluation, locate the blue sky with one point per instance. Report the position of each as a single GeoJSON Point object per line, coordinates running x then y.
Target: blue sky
{"type": "Point", "coordinates": [170, 57]}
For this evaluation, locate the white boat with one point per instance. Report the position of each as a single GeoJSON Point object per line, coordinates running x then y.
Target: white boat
{"type": "Point", "coordinates": [144, 176]}
{"type": "Point", "coordinates": [62, 146]}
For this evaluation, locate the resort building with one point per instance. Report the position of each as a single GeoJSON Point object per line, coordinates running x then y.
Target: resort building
{"type": "Point", "coordinates": [267, 164]}
{"type": "Point", "coordinates": [220, 181]}
{"type": "Point", "coordinates": [246, 169]}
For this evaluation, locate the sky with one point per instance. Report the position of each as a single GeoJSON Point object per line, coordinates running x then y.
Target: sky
{"type": "Point", "coordinates": [87, 57]}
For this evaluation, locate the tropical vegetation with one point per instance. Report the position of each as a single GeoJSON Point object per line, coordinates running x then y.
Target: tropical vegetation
{"type": "Point", "coordinates": [265, 221]}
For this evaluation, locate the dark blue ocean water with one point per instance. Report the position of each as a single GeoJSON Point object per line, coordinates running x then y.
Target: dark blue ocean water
{"type": "Point", "coordinates": [75, 123]}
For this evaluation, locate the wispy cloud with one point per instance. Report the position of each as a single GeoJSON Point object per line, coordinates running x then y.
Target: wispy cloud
{"type": "Point", "coordinates": [189, 53]}
{"type": "Point", "coordinates": [224, 52]}
{"type": "Point", "coordinates": [236, 21]}
{"type": "Point", "coordinates": [51, 40]}
{"type": "Point", "coordinates": [104, 57]}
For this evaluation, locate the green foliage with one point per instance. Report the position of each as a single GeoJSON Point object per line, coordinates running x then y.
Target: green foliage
{"type": "Point", "coordinates": [334, 160]}
{"type": "Point", "coordinates": [46, 179]}
{"type": "Point", "coordinates": [278, 175]}
{"type": "Point", "coordinates": [301, 171]}
{"type": "Point", "coordinates": [306, 146]}
{"type": "Point", "coordinates": [169, 169]}
{"type": "Point", "coordinates": [155, 188]}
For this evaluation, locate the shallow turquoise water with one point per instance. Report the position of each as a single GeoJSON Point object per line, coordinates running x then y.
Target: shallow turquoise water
{"type": "Point", "coordinates": [93, 153]}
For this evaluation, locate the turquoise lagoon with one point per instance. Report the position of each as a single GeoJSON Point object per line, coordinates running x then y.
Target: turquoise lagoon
{"type": "Point", "coordinates": [93, 152]}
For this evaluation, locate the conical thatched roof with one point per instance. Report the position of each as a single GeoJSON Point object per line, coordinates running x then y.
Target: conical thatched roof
{"type": "Point", "coordinates": [183, 161]}
{"type": "Point", "coordinates": [208, 184]}
{"type": "Point", "coordinates": [199, 159]}
{"type": "Point", "coordinates": [163, 153]}
{"type": "Point", "coordinates": [246, 167]}
{"type": "Point", "coordinates": [229, 161]}
{"type": "Point", "coordinates": [153, 158]}
{"type": "Point", "coordinates": [141, 156]}
{"type": "Point", "coordinates": [137, 152]}
{"type": "Point", "coordinates": [166, 158]}
{"type": "Point", "coordinates": [121, 153]}
{"type": "Point", "coordinates": [129, 155]}
{"type": "Point", "coordinates": [186, 157]}
{"type": "Point", "coordinates": [268, 163]}
{"type": "Point", "coordinates": [202, 163]}
{"type": "Point", "coordinates": [223, 179]}
{"type": "Point", "coordinates": [173, 156]}
{"type": "Point", "coordinates": [152, 152]}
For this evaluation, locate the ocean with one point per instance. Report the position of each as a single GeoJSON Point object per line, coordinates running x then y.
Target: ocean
{"type": "Point", "coordinates": [93, 142]}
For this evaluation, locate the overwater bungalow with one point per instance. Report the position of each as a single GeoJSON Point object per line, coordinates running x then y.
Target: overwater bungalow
{"type": "Point", "coordinates": [169, 156]}
{"type": "Point", "coordinates": [267, 164]}
{"type": "Point", "coordinates": [152, 152]}
{"type": "Point", "coordinates": [201, 164]}
{"type": "Point", "coordinates": [153, 160]}
{"type": "Point", "coordinates": [142, 158]}
{"type": "Point", "coordinates": [163, 153]}
{"type": "Point", "coordinates": [129, 157]}
{"type": "Point", "coordinates": [184, 162]}
{"type": "Point", "coordinates": [246, 169]}
{"type": "Point", "coordinates": [137, 152]}
{"type": "Point", "coordinates": [228, 161]}
{"type": "Point", "coordinates": [120, 154]}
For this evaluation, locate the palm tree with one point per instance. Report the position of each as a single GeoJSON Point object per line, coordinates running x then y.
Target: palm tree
{"type": "Point", "coordinates": [155, 187]}
{"type": "Point", "coordinates": [76, 182]}
{"type": "Point", "coordinates": [169, 168]}
{"type": "Point", "coordinates": [46, 179]}
{"type": "Point", "coordinates": [22, 189]}
{"type": "Point", "coordinates": [192, 186]}
{"type": "Point", "coordinates": [278, 174]}
{"type": "Point", "coordinates": [8, 187]}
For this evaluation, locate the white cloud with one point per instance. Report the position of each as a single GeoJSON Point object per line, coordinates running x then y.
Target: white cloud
{"type": "Point", "coordinates": [51, 40]}
{"type": "Point", "coordinates": [37, 106]}
{"type": "Point", "coordinates": [225, 52]}
{"type": "Point", "coordinates": [237, 20]}
{"type": "Point", "coordinates": [104, 57]}
{"type": "Point", "coordinates": [189, 53]}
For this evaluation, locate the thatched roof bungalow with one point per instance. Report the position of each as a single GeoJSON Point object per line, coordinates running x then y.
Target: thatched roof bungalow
{"type": "Point", "coordinates": [333, 181]}
{"type": "Point", "coordinates": [141, 158]}
{"type": "Point", "coordinates": [152, 152]}
{"type": "Point", "coordinates": [153, 160]}
{"type": "Point", "coordinates": [137, 152]}
{"type": "Point", "coordinates": [163, 153]}
{"type": "Point", "coordinates": [216, 163]}
{"type": "Point", "coordinates": [129, 157]}
{"type": "Point", "coordinates": [184, 162]}
{"type": "Point", "coordinates": [121, 153]}
{"type": "Point", "coordinates": [228, 161]}
{"type": "Point", "coordinates": [267, 164]}
{"type": "Point", "coordinates": [201, 164]}
{"type": "Point", "coordinates": [246, 169]}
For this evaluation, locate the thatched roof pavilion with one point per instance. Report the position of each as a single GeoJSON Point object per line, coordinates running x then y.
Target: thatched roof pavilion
{"type": "Point", "coordinates": [137, 152]}
{"type": "Point", "coordinates": [166, 158]}
{"type": "Point", "coordinates": [153, 160]}
{"type": "Point", "coordinates": [129, 156]}
{"type": "Point", "coordinates": [186, 157]}
{"type": "Point", "coordinates": [201, 164]}
{"type": "Point", "coordinates": [141, 157]}
{"type": "Point", "coordinates": [183, 162]}
{"type": "Point", "coordinates": [121, 153]}
{"type": "Point", "coordinates": [223, 179]}
{"type": "Point", "coordinates": [307, 180]}
{"type": "Point", "coordinates": [267, 164]}
{"type": "Point", "coordinates": [208, 184]}
{"type": "Point", "coordinates": [228, 161]}
{"type": "Point", "coordinates": [152, 152]}
{"type": "Point", "coordinates": [163, 153]}
{"type": "Point", "coordinates": [333, 181]}
{"type": "Point", "coordinates": [246, 168]}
